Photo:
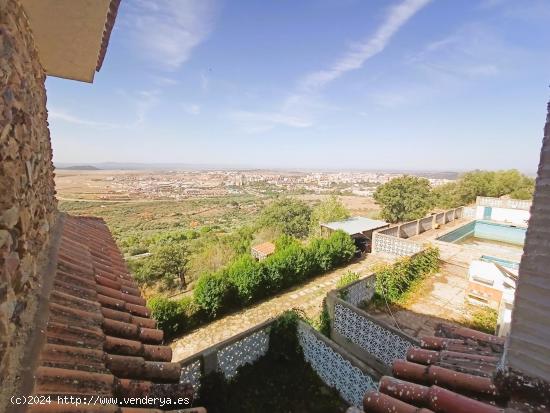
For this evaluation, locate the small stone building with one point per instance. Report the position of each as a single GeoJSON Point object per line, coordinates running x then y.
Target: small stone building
{"type": "Point", "coordinates": [263, 250]}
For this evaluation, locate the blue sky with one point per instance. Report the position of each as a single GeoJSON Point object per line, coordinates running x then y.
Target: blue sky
{"type": "Point", "coordinates": [377, 84]}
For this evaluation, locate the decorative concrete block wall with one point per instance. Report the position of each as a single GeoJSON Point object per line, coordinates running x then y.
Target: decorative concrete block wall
{"type": "Point", "coordinates": [368, 338]}
{"type": "Point", "coordinates": [359, 291]}
{"type": "Point", "coordinates": [335, 366]}
{"type": "Point", "coordinates": [227, 356]}
{"type": "Point", "coordinates": [382, 243]}
{"type": "Point", "coordinates": [27, 194]}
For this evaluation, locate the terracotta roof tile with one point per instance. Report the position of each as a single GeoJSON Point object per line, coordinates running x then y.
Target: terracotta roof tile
{"type": "Point", "coordinates": [99, 339]}
{"type": "Point", "coordinates": [265, 248]}
{"type": "Point", "coordinates": [451, 373]}
{"type": "Point", "coordinates": [52, 380]}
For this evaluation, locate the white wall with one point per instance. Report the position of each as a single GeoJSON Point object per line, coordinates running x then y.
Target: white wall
{"type": "Point", "coordinates": [512, 216]}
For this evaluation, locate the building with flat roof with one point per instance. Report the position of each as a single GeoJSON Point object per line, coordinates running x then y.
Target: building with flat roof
{"type": "Point", "coordinates": [355, 226]}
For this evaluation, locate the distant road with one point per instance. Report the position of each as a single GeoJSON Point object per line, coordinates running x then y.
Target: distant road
{"type": "Point", "coordinates": [60, 198]}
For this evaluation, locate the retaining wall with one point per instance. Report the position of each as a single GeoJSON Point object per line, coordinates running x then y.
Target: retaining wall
{"type": "Point", "coordinates": [370, 340]}
{"type": "Point", "coordinates": [394, 241]}
{"type": "Point", "coordinates": [228, 355]}
{"type": "Point", "coordinates": [382, 243]}
{"type": "Point", "coordinates": [334, 365]}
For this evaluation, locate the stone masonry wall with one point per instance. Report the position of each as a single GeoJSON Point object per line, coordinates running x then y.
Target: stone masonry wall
{"type": "Point", "coordinates": [27, 194]}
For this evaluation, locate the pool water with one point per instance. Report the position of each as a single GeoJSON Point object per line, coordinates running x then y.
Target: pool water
{"type": "Point", "coordinates": [487, 230]}
{"type": "Point", "coordinates": [501, 261]}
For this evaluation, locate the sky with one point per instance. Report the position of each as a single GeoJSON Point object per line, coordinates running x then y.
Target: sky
{"type": "Point", "coordinates": [323, 84]}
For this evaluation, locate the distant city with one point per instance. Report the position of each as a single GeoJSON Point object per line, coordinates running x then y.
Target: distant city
{"type": "Point", "coordinates": [178, 184]}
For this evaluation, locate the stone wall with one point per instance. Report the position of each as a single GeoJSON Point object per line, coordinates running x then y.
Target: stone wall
{"type": "Point", "coordinates": [27, 193]}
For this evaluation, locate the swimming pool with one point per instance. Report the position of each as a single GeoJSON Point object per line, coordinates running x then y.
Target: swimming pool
{"type": "Point", "coordinates": [513, 265]}
{"type": "Point", "coordinates": [487, 230]}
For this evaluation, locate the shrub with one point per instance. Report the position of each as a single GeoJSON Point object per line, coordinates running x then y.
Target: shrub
{"type": "Point", "coordinates": [248, 280]}
{"type": "Point", "coordinates": [393, 281]}
{"type": "Point", "coordinates": [213, 293]}
{"type": "Point", "coordinates": [175, 316]}
{"type": "Point", "coordinates": [168, 314]}
{"type": "Point", "coordinates": [191, 311]}
{"type": "Point", "coordinates": [247, 276]}
{"type": "Point", "coordinates": [285, 241]}
{"type": "Point", "coordinates": [341, 248]}
{"type": "Point", "coordinates": [347, 279]}
{"type": "Point", "coordinates": [484, 319]}
{"type": "Point", "coordinates": [322, 324]}
{"type": "Point", "coordinates": [330, 252]}
{"type": "Point", "coordinates": [286, 267]}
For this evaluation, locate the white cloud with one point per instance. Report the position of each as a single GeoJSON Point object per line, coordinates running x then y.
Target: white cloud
{"type": "Point", "coordinates": [165, 81]}
{"type": "Point", "coordinates": [166, 31]}
{"type": "Point", "coordinates": [257, 122]}
{"type": "Point", "coordinates": [57, 114]}
{"type": "Point", "coordinates": [143, 101]}
{"type": "Point", "coordinates": [473, 51]}
{"type": "Point", "coordinates": [192, 109]}
{"type": "Point", "coordinates": [356, 57]}
{"type": "Point", "coordinates": [300, 108]}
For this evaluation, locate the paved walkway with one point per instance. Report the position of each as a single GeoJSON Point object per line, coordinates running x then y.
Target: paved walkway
{"type": "Point", "coordinates": [307, 297]}
{"type": "Point", "coordinates": [442, 300]}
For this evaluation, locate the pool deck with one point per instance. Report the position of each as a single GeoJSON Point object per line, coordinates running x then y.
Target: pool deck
{"type": "Point", "coordinates": [444, 295]}
{"type": "Point", "coordinates": [464, 253]}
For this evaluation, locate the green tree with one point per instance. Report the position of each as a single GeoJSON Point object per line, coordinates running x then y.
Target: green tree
{"type": "Point", "coordinates": [331, 209]}
{"type": "Point", "coordinates": [168, 263]}
{"type": "Point", "coordinates": [523, 193]}
{"type": "Point", "coordinates": [291, 216]}
{"type": "Point", "coordinates": [476, 183]}
{"type": "Point", "coordinates": [484, 183]}
{"type": "Point", "coordinates": [405, 198]}
{"type": "Point", "coordinates": [447, 196]}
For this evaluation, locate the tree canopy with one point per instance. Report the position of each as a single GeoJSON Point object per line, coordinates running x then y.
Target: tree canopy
{"type": "Point", "coordinates": [331, 209]}
{"type": "Point", "coordinates": [404, 198]}
{"type": "Point", "coordinates": [290, 216]}
{"type": "Point", "coordinates": [409, 198]}
{"type": "Point", "coordinates": [168, 263]}
{"type": "Point", "coordinates": [484, 183]}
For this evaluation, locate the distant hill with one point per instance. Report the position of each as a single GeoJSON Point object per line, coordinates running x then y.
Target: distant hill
{"type": "Point", "coordinates": [80, 168]}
